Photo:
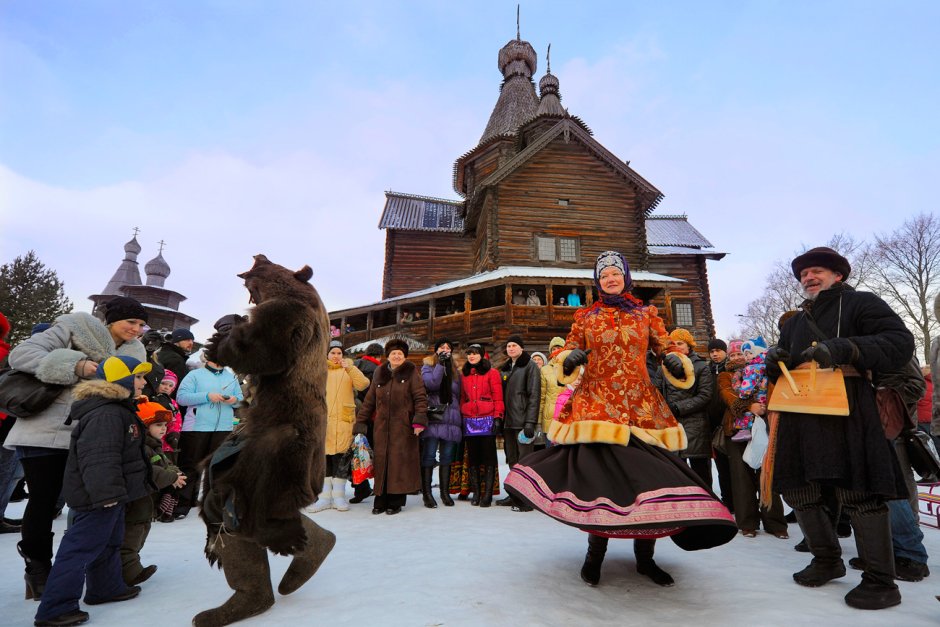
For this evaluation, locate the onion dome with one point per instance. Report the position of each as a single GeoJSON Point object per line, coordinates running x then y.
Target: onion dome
{"type": "Point", "coordinates": [157, 270]}
{"type": "Point", "coordinates": [128, 273]}
{"type": "Point", "coordinates": [517, 99]}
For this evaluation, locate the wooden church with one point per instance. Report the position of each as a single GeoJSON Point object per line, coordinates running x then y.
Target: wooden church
{"type": "Point", "coordinates": [540, 199]}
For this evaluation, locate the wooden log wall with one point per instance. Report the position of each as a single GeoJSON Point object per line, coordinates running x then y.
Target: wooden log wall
{"type": "Point", "coordinates": [415, 260]}
{"type": "Point", "coordinates": [692, 269]}
{"type": "Point", "coordinates": [602, 210]}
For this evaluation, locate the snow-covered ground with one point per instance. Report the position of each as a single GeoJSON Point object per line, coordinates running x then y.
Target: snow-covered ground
{"type": "Point", "coordinates": [464, 565]}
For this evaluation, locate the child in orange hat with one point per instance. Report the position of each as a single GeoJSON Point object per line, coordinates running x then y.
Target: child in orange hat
{"type": "Point", "coordinates": [140, 513]}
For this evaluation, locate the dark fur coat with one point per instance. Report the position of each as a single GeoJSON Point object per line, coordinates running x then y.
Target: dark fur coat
{"type": "Point", "coordinates": [396, 401]}
{"type": "Point", "coordinates": [282, 345]}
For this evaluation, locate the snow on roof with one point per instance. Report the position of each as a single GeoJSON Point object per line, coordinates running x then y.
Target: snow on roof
{"type": "Point", "coordinates": [526, 272]}
{"type": "Point", "coordinates": [413, 344]}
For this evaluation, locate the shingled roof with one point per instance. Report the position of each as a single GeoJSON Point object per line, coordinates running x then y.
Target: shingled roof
{"type": "Point", "coordinates": [421, 213]}
{"type": "Point", "coordinates": [673, 235]}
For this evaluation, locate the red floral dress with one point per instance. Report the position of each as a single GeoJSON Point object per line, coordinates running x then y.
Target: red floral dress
{"type": "Point", "coordinates": [616, 398]}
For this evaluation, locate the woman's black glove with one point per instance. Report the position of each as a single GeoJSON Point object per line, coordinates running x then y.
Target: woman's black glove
{"type": "Point", "coordinates": [673, 364]}
{"type": "Point", "coordinates": [774, 355]}
{"type": "Point", "coordinates": [497, 426]}
{"type": "Point", "coordinates": [819, 353]}
{"type": "Point", "coordinates": [575, 358]}
{"type": "Point", "coordinates": [529, 431]}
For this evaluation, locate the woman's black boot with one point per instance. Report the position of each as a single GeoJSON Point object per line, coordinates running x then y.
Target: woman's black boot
{"type": "Point", "coordinates": [474, 477]}
{"type": "Point", "coordinates": [591, 570]}
{"type": "Point", "coordinates": [643, 550]}
{"type": "Point", "coordinates": [444, 479]}
{"type": "Point", "coordinates": [489, 481]}
{"type": "Point", "coordinates": [426, 473]}
{"type": "Point", "coordinates": [37, 572]}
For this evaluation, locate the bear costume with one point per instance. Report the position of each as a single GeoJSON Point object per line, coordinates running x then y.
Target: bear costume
{"type": "Point", "coordinates": [272, 465]}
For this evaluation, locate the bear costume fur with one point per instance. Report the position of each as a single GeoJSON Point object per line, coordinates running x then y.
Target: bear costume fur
{"type": "Point", "coordinates": [272, 465]}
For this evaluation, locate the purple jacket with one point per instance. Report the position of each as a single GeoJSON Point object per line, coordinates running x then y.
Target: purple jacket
{"type": "Point", "coordinates": [451, 429]}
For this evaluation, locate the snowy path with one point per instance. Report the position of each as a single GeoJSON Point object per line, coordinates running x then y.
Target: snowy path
{"type": "Point", "coordinates": [465, 566]}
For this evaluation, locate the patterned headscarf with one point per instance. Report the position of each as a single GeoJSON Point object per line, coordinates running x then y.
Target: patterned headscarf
{"type": "Point", "coordinates": [608, 259]}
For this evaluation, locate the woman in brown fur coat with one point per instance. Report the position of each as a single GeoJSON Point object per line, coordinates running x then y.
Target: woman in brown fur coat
{"type": "Point", "coordinates": [397, 403]}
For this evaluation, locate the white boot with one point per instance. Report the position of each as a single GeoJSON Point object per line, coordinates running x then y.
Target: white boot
{"type": "Point", "coordinates": [339, 494]}
{"type": "Point", "coordinates": [324, 500]}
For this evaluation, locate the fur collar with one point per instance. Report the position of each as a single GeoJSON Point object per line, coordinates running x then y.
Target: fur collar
{"type": "Point", "coordinates": [482, 368]}
{"type": "Point", "coordinates": [91, 336]}
{"type": "Point", "coordinates": [99, 388]}
{"type": "Point", "coordinates": [384, 374]}
{"type": "Point", "coordinates": [522, 362]}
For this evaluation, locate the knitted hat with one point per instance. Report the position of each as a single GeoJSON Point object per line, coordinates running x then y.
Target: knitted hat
{"type": "Point", "coordinates": [556, 342]}
{"type": "Point", "coordinates": [169, 375]}
{"type": "Point", "coordinates": [179, 335]}
{"type": "Point", "coordinates": [823, 257]}
{"type": "Point", "coordinates": [374, 350]}
{"type": "Point", "coordinates": [517, 339]}
{"type": "Point", "coordinates": [444, 340]}
{"type": "Point", "coordinates": [475, 348]}
{"type": "Point", "coordinates": [121, 370]}
{"type": "Point", "coordinates": [153, 413]}
{"type": "Point", "coordinates": [717, 344]}
{"type": "Point", "coordinates": [538, 354]}
{"type": "Point", "coordinates": [734, 346]}
{"type": "Point", "coordinates": [39, 328]}
{"type": "Point", "coordinates": [681, 335]}
{"type": "Point", "coordinates": [608, 259]}
{"type": "Point", "coordinates": [335, 344]}
{"type": "Point", "coordinates": [124, 308]}
{"type": "Point", "coordinates": [396, 345]}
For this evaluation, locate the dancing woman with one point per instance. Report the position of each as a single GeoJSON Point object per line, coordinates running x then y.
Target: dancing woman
{"type": "Point", "coordinates": [615, 474]}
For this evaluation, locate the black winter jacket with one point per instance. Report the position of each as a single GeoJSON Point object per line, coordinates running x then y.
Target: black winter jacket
{"type": "Point", "coordinates": [522, 392]}
{"type": "Point", "coordinates": [851, 452]}
{"type": "Point", "coordinates": [107, 462]}
{"type": "Point", "coordinates": [692, 408]}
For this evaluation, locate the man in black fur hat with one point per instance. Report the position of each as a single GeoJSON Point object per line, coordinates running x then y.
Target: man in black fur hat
{"type": "Point", "coordinates": [857, 332]}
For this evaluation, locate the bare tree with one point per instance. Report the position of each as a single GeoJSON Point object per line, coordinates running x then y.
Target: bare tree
{"type": "Point", "coordinates": [907, 274]}
{"type": "Point", "coordinates": [782, 292]}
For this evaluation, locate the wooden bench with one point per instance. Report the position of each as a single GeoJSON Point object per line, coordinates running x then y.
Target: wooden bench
{"type": "Point", "coordinates": [929, 504]}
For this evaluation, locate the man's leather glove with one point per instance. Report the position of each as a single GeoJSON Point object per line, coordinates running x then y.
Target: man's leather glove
{"type": "Point", "coordinates": [673, 364]}
{"type": "Point", "coordinates": [575, 358]}
{"type": "Point", "coordinates": [497, 426]}
{"type": "Point", "coordinates": [529, 431]}
{"type": "Point", "coordinates": [775, 355]}
{"type": "Point", "coordinates": [819, 353]}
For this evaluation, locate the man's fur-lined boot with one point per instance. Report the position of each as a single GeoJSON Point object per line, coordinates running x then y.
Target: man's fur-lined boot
{"type": "Point", "coordinates": [319, 544]}
{"type": "Point", "coordinates": [873, 539]}
{"type": "Point", "coordinates": [823, 543]}
{"type": "Point", "coordinates": [245, 564]}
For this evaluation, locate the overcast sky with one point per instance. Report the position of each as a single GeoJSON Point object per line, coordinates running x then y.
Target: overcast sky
{"type": "Point", "coordinates": [228, 128]}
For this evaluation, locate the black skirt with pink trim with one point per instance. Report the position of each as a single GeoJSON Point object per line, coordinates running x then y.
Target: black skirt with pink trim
{"type": "Point", "coordinates": [633, 491]}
